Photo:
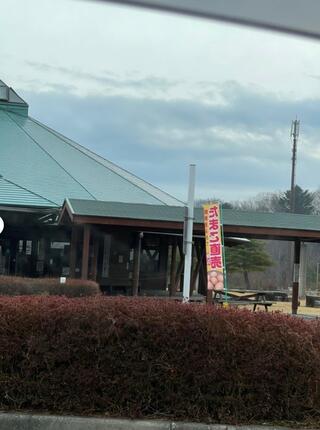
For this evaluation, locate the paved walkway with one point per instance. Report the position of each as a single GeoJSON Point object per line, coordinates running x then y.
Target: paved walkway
{"type": "Point", "coordinates": [15, 421]}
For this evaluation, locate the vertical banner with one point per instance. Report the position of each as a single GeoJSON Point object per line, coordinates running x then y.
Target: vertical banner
{"type": "Point", "coordinates": [214, 247]}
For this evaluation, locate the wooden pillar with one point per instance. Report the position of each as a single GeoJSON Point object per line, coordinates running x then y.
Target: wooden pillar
{"type": "Point", "coordinates": [95, 258]}
{"type": "Point", "coordinates": [295, 283]}
{"type": "Point", "coordinates": [34, 255]}
{"type": "Point", "coordinates": [13, 255]}
{"type": "Point", "coordinates": [85, 252]}
{"type": "Point", "coordinates": [47, 254]}
{"type": "Point", "coordinates": [73, 251]}
{"type": "Point", "coordinates": [180, 268]}
{"type": "Point", "coordinates": [202, 271]}
{"type": "Point", "coordinates": [41, 256]}
{"type": "Point", "coordinates": [136, 265]}
{"type": "Point", "coordinates": [179, 273]}
{"type": "Point", "coordinates": [303, 270]}
{"type": "Point", "coordinates": [196, 271]}
{"type": "Point", "coordinates": [173, 267]}
{"type": "Point", "coordinates": [163, 254]}
{"type": "Point", "coordinates": [163, 262]}
{"type": "Point", "coordinates": [203, 266]}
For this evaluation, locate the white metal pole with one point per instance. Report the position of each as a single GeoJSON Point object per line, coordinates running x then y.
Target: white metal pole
{"type": "Point", "coordinates": [189, 235]}
{"type": "Point", "coordinates": [317, 285]}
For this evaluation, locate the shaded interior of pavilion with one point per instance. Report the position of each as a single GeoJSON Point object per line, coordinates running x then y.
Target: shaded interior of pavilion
{"type": "Point", "coordinates": [138, 249]}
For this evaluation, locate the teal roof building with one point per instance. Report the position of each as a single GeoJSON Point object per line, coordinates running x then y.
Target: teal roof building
{"type": "Point", "coordinates": [41, 171]}
{"type": "Point", "coordinates": [39, 167]}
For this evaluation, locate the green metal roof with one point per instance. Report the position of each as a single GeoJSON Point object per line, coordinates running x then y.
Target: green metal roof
{"type": "Point", "coordinates": [14, 195]}
{"type": "Point", "coordinates": [271, 220]}
{"type": "Point", "coordinates": [176, 214]}
{"type": "Point", "coordinates": [44, 163]}
{"type": "Point", "coordinates": [126, 210]}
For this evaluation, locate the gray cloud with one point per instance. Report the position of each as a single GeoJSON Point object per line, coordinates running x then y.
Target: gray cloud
{"type": "Point", "coordinates": [107, 78]}
{"type": "Point", "coordinates": [240, 148]}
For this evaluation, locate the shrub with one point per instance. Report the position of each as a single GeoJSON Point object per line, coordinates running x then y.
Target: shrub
{"type": "Point", "coordinates": [18, 286]}
{"type": "Point", "coordinates": [138, 358]}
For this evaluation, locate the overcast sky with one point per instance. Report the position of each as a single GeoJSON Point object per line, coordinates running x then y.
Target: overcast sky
{"type": "Point", "coordinates": [154, 92]}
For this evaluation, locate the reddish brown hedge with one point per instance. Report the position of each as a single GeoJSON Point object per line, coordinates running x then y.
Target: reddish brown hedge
{"type": "Point", "coordinates": [135, 358]}
{"type": "Point", "coordinates": [20, 286]}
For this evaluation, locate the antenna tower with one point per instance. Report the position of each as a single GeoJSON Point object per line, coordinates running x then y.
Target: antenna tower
{"type": "Point", "coordinates": [295, 127]}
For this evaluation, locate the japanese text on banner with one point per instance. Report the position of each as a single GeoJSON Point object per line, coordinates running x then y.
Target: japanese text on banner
{"type": "Point", "coordinates": [214, 246]}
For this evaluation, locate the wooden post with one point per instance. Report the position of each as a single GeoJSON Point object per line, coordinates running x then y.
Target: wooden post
{"type": "Point", "coordinates": [303, 270]}
{"type": "Point", "coordinates": [163, 262]}
{"type": "Point", "coordinates": [173, 267]}
{"type": "Point", "coordinates": [47, 249]}
{"type": "Point", "coordinates": [85, 252]}
{"type": "Point", "coordinates": [73, 251]}
{"type": "Point", "coordinates": [34, 254]}
{"type": "Point", "coordinates": [200, 250]}
{"type": "Point", "coordinates": [180, 267]}
{"type": "Point", "coordinates": [136, 265]}
{"type": "Point", "coordinates": [203, 267]}
{"type": "Point", "coordinates": [196, 269]}
{"type": "Point", "coordinates": [295, 283]}
{"type": "Point", "coordinates": [95, 258]}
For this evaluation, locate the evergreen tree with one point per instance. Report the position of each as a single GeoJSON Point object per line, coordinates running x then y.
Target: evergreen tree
{"type": "Point", "coordinates": [250, 257]}
{"type": "Point", "coordinates": [303, 201]}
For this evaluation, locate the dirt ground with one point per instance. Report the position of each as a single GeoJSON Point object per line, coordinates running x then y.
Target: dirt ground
{"type": "Point", "coordinates": [285, 307]}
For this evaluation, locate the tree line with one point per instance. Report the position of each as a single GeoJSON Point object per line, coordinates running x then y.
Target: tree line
{"type": "Point", "coordinates": [306, 202]}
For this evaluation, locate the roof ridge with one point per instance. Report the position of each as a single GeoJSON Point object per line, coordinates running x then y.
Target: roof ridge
{"type": "Point", "coordinates": [84, 151]}
{"type": "Point", "coordinates": [152, 205]}
{"type": "Point", "coordinates": [29, 191]}
{"type": "Point", "coordinates": [49, 155]}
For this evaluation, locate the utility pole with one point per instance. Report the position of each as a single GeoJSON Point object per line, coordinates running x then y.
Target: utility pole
{"type": "Point", "coordinates": [297, 245]}
{"type": "Point", "coordinates": [295, 126]}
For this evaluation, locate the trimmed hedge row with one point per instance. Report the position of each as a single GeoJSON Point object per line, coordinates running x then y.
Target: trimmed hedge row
{"type": "Point", "coordinates": [150, 358]}
{"type": "Point", "coordinates": [19, 286]}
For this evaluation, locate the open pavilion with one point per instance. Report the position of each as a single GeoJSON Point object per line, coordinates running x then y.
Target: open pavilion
{"type": "Point", "coordinates": [70, 212]}
{"type": "Point", "coordinates": [147, 223]}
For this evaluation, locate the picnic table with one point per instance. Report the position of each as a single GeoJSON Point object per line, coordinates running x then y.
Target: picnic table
{"type": "Point", "coordinates": [274, 295]}
{"type": "Point", "coordinates": [255, 298]}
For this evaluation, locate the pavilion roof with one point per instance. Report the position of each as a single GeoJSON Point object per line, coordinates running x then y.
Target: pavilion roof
{"type": "Point", "coordinates": [41, 162]}
{"type": "Point", "coordinates": [279, 224]}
